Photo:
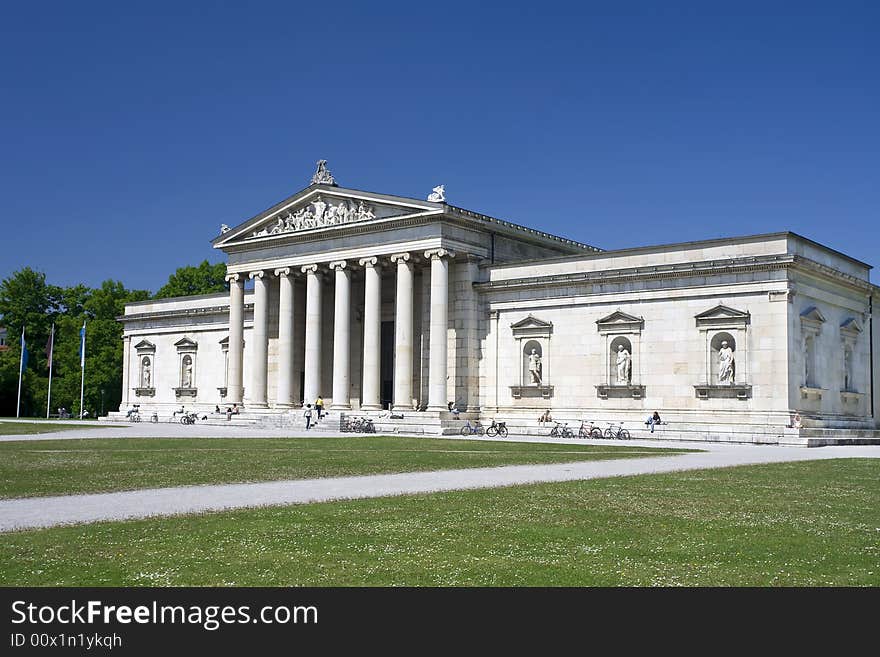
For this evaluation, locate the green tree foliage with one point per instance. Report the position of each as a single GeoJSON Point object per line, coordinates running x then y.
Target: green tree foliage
{"type": "Point", "coordinates": [26, 299]}
{"type": "Point", "coordinates": [187, 281]}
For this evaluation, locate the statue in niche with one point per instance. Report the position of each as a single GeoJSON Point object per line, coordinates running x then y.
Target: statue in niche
{"type": "Point", "coordinates": [624, 365]}
{"type": "Point", "coordinates": [438, 195]}
{"type": "Point", "coordinates": [726, 364]}
{"type": "Point", "coordinates": [187, 372]}
{"type": "Point", "coordinates": [847, 369]}
{"type": "Point", "coordinates": [535, 366]}
{"type": "Point", "coordinates": [146, 374]}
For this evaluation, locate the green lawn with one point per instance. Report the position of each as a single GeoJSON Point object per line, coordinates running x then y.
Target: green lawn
{"type": "Point", "coordinates": [23, 428]}
{"type": "Point", "coordinates": [94, 465]}
{"type": "Point", "coordinates": [800, 524]}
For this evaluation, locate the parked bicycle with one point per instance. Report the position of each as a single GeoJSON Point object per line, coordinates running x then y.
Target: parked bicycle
{"type": "Point", "coordinates": [357, 424]}
{"type": "Point", "coordinates": [561, 430]}
{"type": "Point", "coordinates": [617, 431]}
{"type": "Point", "coordinates": [497, 429]}
{"type": "Point", "coordinates": [471, 429]}
{"type": "Point", "coordinates": [189, 418]}
{"type": "Point", "coordinates": [589, 430]}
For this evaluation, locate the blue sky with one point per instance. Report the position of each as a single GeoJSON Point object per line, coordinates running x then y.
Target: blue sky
{"type": "Point", "coordinates": [130, 131]}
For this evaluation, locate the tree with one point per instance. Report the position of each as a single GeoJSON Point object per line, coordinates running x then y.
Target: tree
{"type": "Point", "coordinates": [26, 299]}
{"type": "Point", "coordinates": [187, 281]}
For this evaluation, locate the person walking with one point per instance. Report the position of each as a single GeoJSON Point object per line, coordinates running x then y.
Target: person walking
{"type": "Point", "coordinates": [319, 406]}
{"type": "Point", "coordinates": [307, 414]}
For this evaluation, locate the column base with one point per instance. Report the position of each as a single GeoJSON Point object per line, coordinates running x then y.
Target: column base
{"type": "Point", "coordinates": [371, 407]}
{"type": "Point", "coordinates": [291, 405]}
{"type": "Point", "coordinates": [340, 407]}
{"type": "Point", "coordinates": [254, 404]}
{"type": "Point", "coordinates": [438, 409]}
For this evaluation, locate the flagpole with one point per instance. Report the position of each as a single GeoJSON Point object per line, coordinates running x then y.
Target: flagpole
{"type": "Point", "coordinates": [20, 373]}
{"type": "Point", "coordinates": [51, 353]}
{"type": "Point", "coordinates": [82, 364]}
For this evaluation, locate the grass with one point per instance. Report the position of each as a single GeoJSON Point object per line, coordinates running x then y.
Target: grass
{"type": "Point", "coordinates": [797, 524]}
{"type": "Point", "coordinates": [97, 465]}
{"type": "Point", "coordinates": [24, 428]}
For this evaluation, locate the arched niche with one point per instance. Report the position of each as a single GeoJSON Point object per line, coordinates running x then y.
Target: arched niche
{"type": "Point", "coordinates": [146, 375]}
{"type": "Point", "coordinates": [532, 363]}
{"type": "Point", "coordinates": [719, 341]}
{"type": "Point", "coordinates": [717, 325]}
{"type": "Point", "coordinates": [620, 361]}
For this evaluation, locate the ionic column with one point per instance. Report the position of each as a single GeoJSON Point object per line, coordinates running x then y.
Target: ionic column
{"type": "Point", "coordinates": [371, 397]}
{"type": "Point", "coordinates": [285, 338]}
{"type": "Point", "coordinates": [341, 335]}
{"type": "Point", "coordinates": [236, 339]}
{"type": "Point", "coordinates": [438, 363]}
{"type": "Point", "coordinates": [403, 333]}
{"type": "Point", "coordinates": [312, 364]}
{"type": "Point", "coordinates": [260, 336]}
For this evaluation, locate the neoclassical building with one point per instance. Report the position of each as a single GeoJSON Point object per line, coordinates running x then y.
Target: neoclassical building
{"type": "Point", "coordinates": [375, 301]}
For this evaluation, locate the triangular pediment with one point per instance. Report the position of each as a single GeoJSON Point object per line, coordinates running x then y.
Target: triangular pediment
{"type": "Point", "coordinates": [851, 325]}
{"type": "Point", "coordinates": [186, 343]}
{"type": "Point", "coordinates": [620, 321]}
{"type": "Point", "coordinates": [531, 322]}
{"type": "Point", "coordinates": [320, 208]}
{"type": "Point", "coordinates": [145, 345]}
{"type": "Point", "coordinates": [722, 315]}
{"type": "Point", "coordinates": [814, 314]}
{"type": "Point", "coordinates": [619, 317]}
{"type": "Point", "coordinates": [722, 311]}
{"type": "Point", "coordinates": [531, 327]}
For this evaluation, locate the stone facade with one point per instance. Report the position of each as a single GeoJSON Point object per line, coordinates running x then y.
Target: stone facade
{"type": "Point", "coordinates": [386, 300]}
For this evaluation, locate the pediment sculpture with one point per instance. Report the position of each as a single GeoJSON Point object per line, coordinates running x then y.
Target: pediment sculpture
{"type": "Point", "coordinates": [316, 214]}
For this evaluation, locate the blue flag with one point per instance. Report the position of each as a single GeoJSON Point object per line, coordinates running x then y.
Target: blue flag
{"type": "Point", "coordinates": [24, 352]}
{"type": "Point", "coordinates": [82, 346]}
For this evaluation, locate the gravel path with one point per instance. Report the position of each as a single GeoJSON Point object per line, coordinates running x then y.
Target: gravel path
{"type": "Point", "coordinates": [29, 513]}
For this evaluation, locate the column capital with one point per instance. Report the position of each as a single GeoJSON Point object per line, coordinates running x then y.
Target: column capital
{"type": "Point", "coordinates": [232, 278]}
{"type": "Point", "coordinates": [257, 274]}
{"type": "Point", "coordinates": [400, 257]}
{"type": "Point", "coordinates": [283, 271]}
{"type": "Point", "coordinates": [368, 262]}
{"type": "Point", "coordinates": [338, 265]}
{"type": "Point", "coordinates": [436, 254]}
{"type": "Point", "coordinates": [309, 269]}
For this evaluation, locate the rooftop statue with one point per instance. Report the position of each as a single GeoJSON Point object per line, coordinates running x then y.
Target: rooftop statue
{"type": "Point", "coordinates": [438, 195]}
{"type": "Point", "coordinates": [322, 175]}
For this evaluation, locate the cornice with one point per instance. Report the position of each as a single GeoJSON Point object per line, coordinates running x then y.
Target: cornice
{"type": "Point", "coordinates": [680, 270]}
{"type": "Point", "coordinates": [181, 312]}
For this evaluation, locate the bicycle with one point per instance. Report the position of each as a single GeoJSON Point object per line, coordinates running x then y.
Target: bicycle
{"type": "Point", "coordinates": [589, 430]}
{"type": "Point", "coordinates": [617, 431]}
{"type": "Point", "coordinates": [561, 430]}
{"type": "Point", "coordinates": [470, 429]}
{"type": "Point", "coordinates": [497, 429]}
{"type": "Point", "coordinates": [188, 418]}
